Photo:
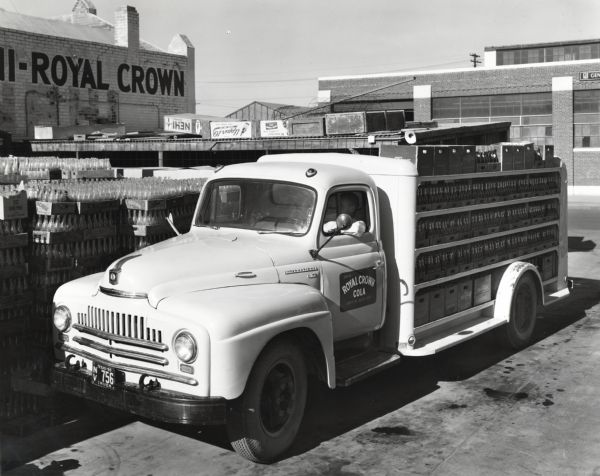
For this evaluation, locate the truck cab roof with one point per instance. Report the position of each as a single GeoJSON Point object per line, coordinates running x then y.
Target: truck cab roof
{"type": "Point", "coordinates": [327, 175]}
{"type": "Point", "coordinates": [369, 164]}
{"type": "Point", "coordinates": [331, 168]}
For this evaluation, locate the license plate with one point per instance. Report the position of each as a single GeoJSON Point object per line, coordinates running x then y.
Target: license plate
{"type": "Point", "coordinates": [103, 376]}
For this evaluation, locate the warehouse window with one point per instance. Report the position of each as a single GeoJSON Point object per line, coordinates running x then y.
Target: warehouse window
{"type": "Point", "coordinates": [535, 104]}
{"type": "Point", "coordinates": [475, 106]}
{"type": "Point", "coordinates": [443, 108]}
{"type": "Point", "coordinates": [586, 118]}
{"type": "Point", "coordinates": [548, 54]}
{"type": "Point", "coordinates": [388, 108]}
{"type": "Point", "coordinates": [506, 105]}
{"type": "Point", "coordinates": [530, 115]}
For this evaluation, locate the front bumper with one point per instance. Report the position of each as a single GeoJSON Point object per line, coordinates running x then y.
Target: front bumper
{"type": "Point", "coordinates": [159, 405]}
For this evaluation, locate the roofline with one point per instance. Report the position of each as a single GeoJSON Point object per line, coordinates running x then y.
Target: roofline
{"type": "Point", "coordinates": [539, 45]}
{"type": "Point", "coordinates": [460, 70]}
{"type": "Point", "coordinates": [268, 105]}
{"type": "Point", "coordinates": [59, 20]}
{"type": "Point", "coordinates": [91, 42]}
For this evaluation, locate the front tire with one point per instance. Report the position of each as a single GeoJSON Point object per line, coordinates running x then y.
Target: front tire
{"type": "Point", "coordinates": [523, 313]}
{"type": "Point", "coordinates": [264, 421]}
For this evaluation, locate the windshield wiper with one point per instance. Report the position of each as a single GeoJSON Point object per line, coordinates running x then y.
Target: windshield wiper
{"type": "Point", "coordinates": [213, 227]}
{"type": "Point", "coordinates": [274, 232]}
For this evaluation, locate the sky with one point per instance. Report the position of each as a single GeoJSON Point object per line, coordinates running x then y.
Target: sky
{"type": "Point", "coordinates": [274, 50]}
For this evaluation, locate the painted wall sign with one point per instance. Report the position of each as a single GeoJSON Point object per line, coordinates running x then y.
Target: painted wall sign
{"type": "Point", "coordinates": [274, 129]}
{"type": "Point", "coordinates": [231, 130]}
{"type": "Point", "coordinates": [589, 76]}
{"type": "Point", "coordinates": [59, 70]}
{"type": "Point", "coordinates": [357, 289]}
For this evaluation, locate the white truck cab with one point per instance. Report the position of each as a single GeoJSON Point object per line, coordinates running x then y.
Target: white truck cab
{"type": "Point", "coordinates": [297, 265]}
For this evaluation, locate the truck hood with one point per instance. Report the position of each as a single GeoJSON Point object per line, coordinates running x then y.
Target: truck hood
{"type": "Point", "coordinates": [189, 263]}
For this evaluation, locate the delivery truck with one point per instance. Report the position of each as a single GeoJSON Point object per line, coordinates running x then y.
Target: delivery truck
{"type": "Point", "coordinates": [311, 265]}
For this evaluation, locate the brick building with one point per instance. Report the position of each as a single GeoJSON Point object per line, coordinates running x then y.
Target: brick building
{"type": "Point", "coordinates": [549, 92]}
{"type": "Point", "coordinates": [82, 70]}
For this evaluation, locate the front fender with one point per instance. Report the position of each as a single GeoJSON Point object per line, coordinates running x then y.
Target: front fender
{"type": "Point", "coordinates": [507, 284]}
{"type": "Point", "coordinates": [241, 321]}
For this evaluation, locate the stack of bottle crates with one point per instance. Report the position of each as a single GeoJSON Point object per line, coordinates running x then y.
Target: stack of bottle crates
{"type": "Point", "coordinates": [52, 231]}
{"type": "Point", "coordinates": [145, 211]}
{"type": "Point", "coordinates": [22, 347]}
{"type": "Point", "coordinates": [469, 226]}
{"type": "Point", "coordinates": [19, 169]}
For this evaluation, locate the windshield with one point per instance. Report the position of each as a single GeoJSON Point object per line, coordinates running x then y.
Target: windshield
{"type": "Point", "coordinates": [261, 205]}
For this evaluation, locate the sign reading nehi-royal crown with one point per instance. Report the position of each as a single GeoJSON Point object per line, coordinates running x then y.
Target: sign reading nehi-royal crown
{"type": "Point", "coordinates": [78, 72]}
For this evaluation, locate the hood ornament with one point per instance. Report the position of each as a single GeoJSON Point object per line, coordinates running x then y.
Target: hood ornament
{"type": "Point", "coordinates": [115, 271]}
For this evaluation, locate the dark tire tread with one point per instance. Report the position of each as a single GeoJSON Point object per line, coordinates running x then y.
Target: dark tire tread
{"type": "Point", "coordinates": [244, 425]}
{"type": "Point", "coordinates": [513, 337]}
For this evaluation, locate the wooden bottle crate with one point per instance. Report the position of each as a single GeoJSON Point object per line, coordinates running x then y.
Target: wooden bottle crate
{"type": "Point", "coordinates": [145, 230]}
{"type": "Point", "coordinates": [14, 206]}
{"type": "Point", "coordinates": [55, 208]}
{"type": "Point", "coordinates": [14, 271]}
{"type": "Point", "coordinates": [100, 232]}
{"type": "Point", "coordinates": [17, 240]}
{"type": "Point", "coordinates": [138, 204]}
{"type": "Point", "coordinates": [17, 300]}
{"type": "Point", "coordinates": [97, 206]}
{"type": "Point", "coordinates": [54, 237]}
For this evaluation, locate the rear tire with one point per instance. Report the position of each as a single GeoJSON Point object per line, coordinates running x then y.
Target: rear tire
{"type": "Point", "coordinates": [523, 313]}
{"type": "Point", "coordinates": [264, 421]}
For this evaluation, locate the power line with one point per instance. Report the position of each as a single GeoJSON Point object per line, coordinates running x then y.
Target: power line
{"type": "Point", "coordinates": [258, 81]}
{"type": "Point", "coordinates": [254, 98]}
{"type": "Point", "coordinates": [354, 97]}
{"type": "Point", "coordinates": [312, 78]}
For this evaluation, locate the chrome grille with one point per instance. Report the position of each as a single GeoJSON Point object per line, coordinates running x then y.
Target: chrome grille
{"type": "Point", "coordinates": [130, 326]}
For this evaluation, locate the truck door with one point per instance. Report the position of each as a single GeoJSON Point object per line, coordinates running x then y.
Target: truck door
{"type": "Point", "coordinates": [353, 267]}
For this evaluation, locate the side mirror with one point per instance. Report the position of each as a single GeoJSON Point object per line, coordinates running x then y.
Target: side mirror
{"type": "Point", "coordinates": [343, 221]}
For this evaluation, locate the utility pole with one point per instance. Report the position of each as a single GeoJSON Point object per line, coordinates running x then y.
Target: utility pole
{"type": "Point", "coordinates": [475, 59]}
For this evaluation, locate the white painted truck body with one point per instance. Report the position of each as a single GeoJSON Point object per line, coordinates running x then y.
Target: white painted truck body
{"type": "Point", "coordinates": [237, 290]}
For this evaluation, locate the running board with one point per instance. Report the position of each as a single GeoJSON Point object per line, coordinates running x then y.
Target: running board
{"type": "Point", "coordinates": [444, 338]}
{"type": "Point", "coordinates": [362, 365]}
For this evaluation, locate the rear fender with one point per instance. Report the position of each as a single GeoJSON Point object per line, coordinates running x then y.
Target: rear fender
{"type": "Point", "coordinates": [506, 288]}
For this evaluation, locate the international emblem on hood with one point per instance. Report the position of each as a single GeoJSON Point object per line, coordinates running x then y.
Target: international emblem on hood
{"type": "Point", "coordinates": [115, 271]}
{"type": "Point", "coordinates": [113, 277]}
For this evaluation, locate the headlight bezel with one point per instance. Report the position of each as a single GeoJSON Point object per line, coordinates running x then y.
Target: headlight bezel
{"type": "Point", "coordinates": [184, 333]}
{"type": "Point", "coordinates": [67, 318]}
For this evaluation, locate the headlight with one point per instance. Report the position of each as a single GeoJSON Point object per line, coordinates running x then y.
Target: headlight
{"type": "Point", "coordinates": [62, 318]}
{"type": "Point", "coordinates": [185, 346]}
